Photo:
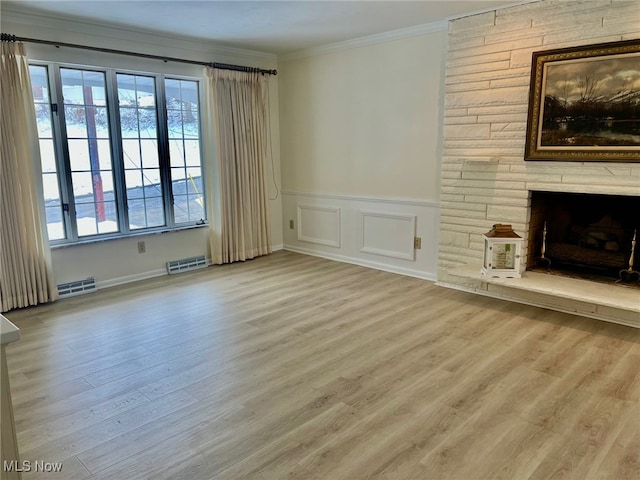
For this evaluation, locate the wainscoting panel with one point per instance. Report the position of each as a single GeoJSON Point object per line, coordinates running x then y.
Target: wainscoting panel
{"type": "Point", "coordinates": [369, 231]}
{"type": "Point", "coordinates": [319, 224]}
{"type": "Point", "coordinates": [388, 234]}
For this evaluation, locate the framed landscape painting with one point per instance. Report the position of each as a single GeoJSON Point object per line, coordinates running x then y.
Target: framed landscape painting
{"type": "Point", "coordinates": [584, 104]}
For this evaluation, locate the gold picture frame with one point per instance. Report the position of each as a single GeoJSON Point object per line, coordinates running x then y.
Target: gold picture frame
{"type": "Point", "coordinates": [584, 104]}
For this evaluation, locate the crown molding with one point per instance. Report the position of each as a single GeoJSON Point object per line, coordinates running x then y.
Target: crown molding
{"type": "Point", "coordinates": [390, 36]}
{"type": "Point", "coordinates": [141, 37]}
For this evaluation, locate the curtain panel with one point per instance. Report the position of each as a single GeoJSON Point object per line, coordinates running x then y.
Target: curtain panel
{"type": "Point", "coordinates": [26, 274]}
{"type": "Point", "coordinates": [236, 102]}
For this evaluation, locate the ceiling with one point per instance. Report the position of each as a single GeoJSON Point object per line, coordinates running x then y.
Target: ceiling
{"type": "Point", "coordinates": [276, 27]}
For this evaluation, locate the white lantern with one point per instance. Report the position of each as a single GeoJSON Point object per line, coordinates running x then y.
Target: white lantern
{"type": "Point", "coordinates": [501, 252]}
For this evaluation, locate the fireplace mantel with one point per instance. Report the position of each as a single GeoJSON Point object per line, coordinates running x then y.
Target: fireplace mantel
{"type": "Point", "coordinates": [612, 303]}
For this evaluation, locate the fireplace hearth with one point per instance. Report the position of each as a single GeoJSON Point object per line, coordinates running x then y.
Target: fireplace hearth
{"type": "Point", "coordinates": [588, 235]}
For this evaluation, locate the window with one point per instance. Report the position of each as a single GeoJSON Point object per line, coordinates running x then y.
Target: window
{"type": "Point", "coordinates": [139, 131]}
{"type": "Point", "coordinates": [184, 149]}
{"type": "Point", "coordinates": [88, 147]}
{"type": "Point", "coordinates": [52, 199]}
{"type": "Point", "coordinates": [120, 151]}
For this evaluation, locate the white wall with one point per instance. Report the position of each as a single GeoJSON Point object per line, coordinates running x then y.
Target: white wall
{"type": "Point", "coordinates": [114, 262]}
{"type": "Point", "coordinates": [360, 132]}
{"type": "Point", "coordinates": [485, 179]}
{"type": "Point", "coordinates": [117, 261]}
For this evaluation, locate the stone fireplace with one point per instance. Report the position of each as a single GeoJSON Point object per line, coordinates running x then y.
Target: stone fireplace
{"type": "Point", "coordinates": [588, 235]}
{"type": "Point", "coordinates": [485, 179]}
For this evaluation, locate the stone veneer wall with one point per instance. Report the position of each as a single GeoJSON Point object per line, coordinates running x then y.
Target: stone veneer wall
{"type": "Point", "coordinates": [485, 179]}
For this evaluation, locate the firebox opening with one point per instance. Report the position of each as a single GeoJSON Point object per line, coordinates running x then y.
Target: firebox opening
{"type": "Point", "coordinates": [588, 235]}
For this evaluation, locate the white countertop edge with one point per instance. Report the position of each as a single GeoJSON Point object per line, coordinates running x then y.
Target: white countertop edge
{"type": "Point", "coordinates": [8, 331]}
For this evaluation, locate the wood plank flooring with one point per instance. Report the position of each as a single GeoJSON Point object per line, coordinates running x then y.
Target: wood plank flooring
{"type": "Point", "coordinates": [295, 367]}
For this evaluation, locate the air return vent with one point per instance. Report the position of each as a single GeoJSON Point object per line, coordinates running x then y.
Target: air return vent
{"type": "Point", "coordinates": [186, 264]}
{"type": "Point", "coordinates": [78, 287]}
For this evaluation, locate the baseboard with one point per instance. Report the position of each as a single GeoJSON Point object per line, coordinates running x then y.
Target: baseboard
{"type": "Point", "coordinates": [136, 277]}
{"type": "Point", "coordinates": [114, 282]}
{"type": "Point", "coordinates": [364, 263]}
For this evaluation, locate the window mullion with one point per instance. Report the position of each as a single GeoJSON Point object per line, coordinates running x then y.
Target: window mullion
{"type": "Point", "coordinates": [163, 151]}
{"type": "Point", "coordinates": [62, 151]}
{"type": "Point", "coordinates": [116, 152]}
{"type": "Point", "coordinates": [203, 164]}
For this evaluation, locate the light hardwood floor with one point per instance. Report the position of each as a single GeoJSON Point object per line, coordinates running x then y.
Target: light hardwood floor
{"type": "Point", "coordinates": [290, 366]}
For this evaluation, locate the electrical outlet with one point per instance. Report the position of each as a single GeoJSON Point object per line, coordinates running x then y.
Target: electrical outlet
{"type": "Point", "coordinates": [142, 247]}
{"type": "Point", "coordinates": [417, 243]}
{"type": "Point", "coordinates": [291, 224]}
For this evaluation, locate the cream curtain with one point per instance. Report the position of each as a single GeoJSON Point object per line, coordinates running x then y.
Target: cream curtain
{"type": "Point", "coordinates": [237, 141]}
{"type": "Point", "coordinates": [26, 276]}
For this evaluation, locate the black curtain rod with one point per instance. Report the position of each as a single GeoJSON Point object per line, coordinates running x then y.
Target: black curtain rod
{"type": "Point", "coordinates": [5, 37]}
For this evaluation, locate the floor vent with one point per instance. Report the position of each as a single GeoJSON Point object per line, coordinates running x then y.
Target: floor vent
{"type": "Point", "coordinates": [186, 264]}
{"type": "Point", "coordinates": [78, 287]}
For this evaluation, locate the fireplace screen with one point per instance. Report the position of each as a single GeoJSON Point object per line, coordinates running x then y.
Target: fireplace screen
{"type": "Point", "coordinates": [586, 235]}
